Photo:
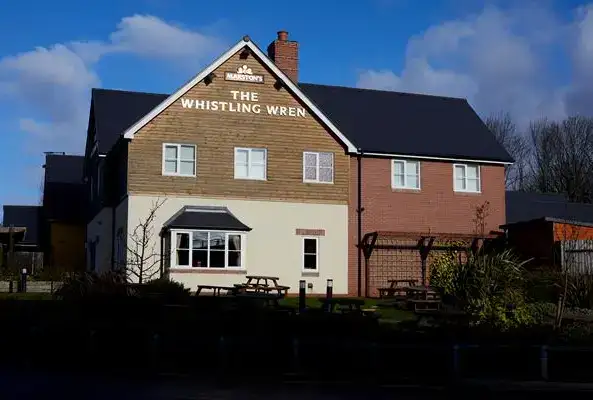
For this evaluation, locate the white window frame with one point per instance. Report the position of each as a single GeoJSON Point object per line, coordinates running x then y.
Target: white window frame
{"type": "Point", "coordinates": [249, 150]}
{"type": "Point", "coordinates": [479, 176]}
{"type": "Point", "coordinates": [405, 163]}
{"type": "Point", "coordinates": [316, 180]}
{"type": "Point", "coordinates": [179, 146]}
{"type": "Point", "coordinates": [317, 242]}
{"type": "Point", "coordinates": [173, 249]}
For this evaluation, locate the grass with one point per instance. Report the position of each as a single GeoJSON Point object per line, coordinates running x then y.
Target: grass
{"type": "Point", "coordinates": [26, 296]}
{"type": "Point", "coordinates": [388, 312]}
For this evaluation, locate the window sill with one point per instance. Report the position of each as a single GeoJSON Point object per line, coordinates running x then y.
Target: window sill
{"type": "Point", "coordinates": [319, 182]}
{"type": "Point", "coordinates": [222, 271]}
{"type": "Point", "coordinates": [251, 179]}
{"type": "Point", "coordinates": [313, 274]}
{"type": "Point", "coordinates": [467, 192]}
{"type": "Point", "coordinates": [406, 190]}
{"type": "Point", "coordinates": [179, 175]}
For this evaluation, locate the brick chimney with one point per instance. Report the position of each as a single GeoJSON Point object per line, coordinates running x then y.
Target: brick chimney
{"type": "Point", "coordinates": [285, 55]}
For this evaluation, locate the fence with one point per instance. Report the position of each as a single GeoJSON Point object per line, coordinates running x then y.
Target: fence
{"type": "Point", "coordinates": [32, 286]}
{"type": "Point", "coordinates": [577, 256]}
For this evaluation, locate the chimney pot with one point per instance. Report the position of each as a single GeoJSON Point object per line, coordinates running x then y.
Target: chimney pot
{"type": "Point", "coordinates": [283, 36]}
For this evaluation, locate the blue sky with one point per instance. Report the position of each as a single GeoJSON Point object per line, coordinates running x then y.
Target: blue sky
{"type": "Point", "coordinates": [530, 58]}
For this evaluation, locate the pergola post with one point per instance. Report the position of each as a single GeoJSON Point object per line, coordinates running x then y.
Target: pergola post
{"type": "Point", "coordinates": [425, 248]}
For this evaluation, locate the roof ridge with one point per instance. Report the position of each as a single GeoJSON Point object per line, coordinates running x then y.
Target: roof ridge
{"type": "Point", "coordinates": [385, 91]}
{"type": "Point", "coordinates": [129, 91]}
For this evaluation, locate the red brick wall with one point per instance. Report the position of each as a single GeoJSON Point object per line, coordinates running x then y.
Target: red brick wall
{"type": "Point", "coordinates": [435, 208]}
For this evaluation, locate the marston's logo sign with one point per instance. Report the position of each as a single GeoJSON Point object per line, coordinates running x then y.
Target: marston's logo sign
{"type": "Point", "coordinates": [243, 74]}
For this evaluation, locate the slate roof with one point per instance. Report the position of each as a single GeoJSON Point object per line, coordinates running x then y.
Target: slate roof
{"type": "Point", "coordinates": [117, 110]}
{"type": "Point", "coordinates": [526, 206]}
{"type": "Point", "coordinates": [195, 217]}
{"type": "Point", "coordinates": [25, 216]}
{"type": "Point", "coordinates": [61, 168]}
{"type": "Point", "coordinates": [64, 191]}
{"type": "Point", "coordinates": [375, 121]}
{"type": "Point", "coordinates": [404, 123]}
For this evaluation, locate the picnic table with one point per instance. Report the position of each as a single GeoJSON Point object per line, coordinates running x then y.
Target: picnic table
{"type": "Point", "coordinates": [423, 298]}
{"type": "Point", "coordinates": [266, 284]}
{"type": "Point", "coordinates": [215, 289]}
{"type": "Point", "coordinates": [343, 303]}
{"type": "Point", "coordinates": [269, 299]}
{"type": "Point", "coordinates": [397, 287]}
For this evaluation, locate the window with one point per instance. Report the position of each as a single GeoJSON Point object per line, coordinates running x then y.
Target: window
{"type": "Point", "coordinates": [204, 249]}
{"type": "Point", "coordinates": [466, 178]}
{"type": "Point", "coordinates": [250, 163]}
{"type": "Point", "coordinates": [318, 167]}
{"type": "Point", "coordinates": [405, 174]}
{"type": "Point", "coordinates": [179, 159]}
{"type": "Point", "coordinates": [310, 254]}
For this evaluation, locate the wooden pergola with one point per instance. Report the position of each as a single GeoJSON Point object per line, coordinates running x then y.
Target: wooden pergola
{"type": "Point", "coordinates": [422, 242]}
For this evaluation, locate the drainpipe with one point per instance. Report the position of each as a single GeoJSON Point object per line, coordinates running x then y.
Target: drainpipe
{"type": "Point", "coordinates": [359, 211]}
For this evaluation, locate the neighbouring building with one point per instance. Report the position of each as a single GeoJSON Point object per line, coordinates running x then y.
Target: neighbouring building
{"type": "Point", "coordinates": [246, 171]}
{"type": "Point", "coordinates": [549, 230]}
{"type": "Point", "coordinates": [54, 230]}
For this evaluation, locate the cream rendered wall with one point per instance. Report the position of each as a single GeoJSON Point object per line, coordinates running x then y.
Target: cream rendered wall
{"type": "Point", "coordinates": [272, 247]}
{"type": "Point", "coordinates": [100, 228]}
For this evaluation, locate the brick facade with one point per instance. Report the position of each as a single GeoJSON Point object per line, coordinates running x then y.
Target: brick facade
{"type": "Point", "coordinates": [435, 208]}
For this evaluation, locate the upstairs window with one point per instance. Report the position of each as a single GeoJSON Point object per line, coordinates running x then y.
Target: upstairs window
{"type": "Point", "coordinates": [250, 163]}
{"type": "Point", "coordinates": [466, 178]}
{"type": "Point", "coordinates": [405, 174]}
{"type": "Point", "coordinates": [318, 167]}
{"type": "Point", "coordinates": [179, 159]}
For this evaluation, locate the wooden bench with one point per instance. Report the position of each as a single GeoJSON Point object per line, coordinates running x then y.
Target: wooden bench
{"type": "Point", "coordinates": [215, 289]}
{"type": "Point", "coordinates": [343, 303]}
{"type": "Point", "coordinates": [424, 305]}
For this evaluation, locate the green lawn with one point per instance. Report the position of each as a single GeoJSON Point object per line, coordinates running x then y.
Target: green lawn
{"type": "Point", "coordinates": [388, 312]}
{"type": "Point", "coordinates": [26, 296]}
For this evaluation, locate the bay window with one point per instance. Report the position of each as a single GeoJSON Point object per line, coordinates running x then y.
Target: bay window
{"type": "Point", "coordinates": [207, 249]}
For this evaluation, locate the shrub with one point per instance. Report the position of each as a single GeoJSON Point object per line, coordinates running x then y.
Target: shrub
{"type": "Point", "coordinates": [166, 289]}
{"type": "Point", "coordinates": [489, 286]}
{"type": "Point", "coordinates": [91, 285]}
{"type": "Point", "coordinates": [579, 292]}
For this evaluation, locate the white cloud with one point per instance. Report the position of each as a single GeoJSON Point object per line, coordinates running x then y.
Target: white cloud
{"type": "Point", "coordinates": [52, 85]}
{"type": "Point", "coordinates": [500, 60]}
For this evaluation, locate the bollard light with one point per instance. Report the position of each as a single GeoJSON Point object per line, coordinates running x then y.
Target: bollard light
{"type": "Point", "coordinates": [302, 288]}
{"type": "Point", "coordinates": [23, 280]}
{"type": "Point", "coordinates": [328, 294]}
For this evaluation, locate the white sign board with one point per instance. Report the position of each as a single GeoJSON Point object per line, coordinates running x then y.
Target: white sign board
{"type": "Point", "coordinates": [243, 74]}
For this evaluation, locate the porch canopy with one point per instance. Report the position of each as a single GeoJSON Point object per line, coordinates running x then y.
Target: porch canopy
{"type": "Point", "coordinates": [17, 233]}
{"type": "Point", "coordinates": [207, 218]}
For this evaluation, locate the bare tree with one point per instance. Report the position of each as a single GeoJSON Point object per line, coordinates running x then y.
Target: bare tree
{"type": "Point", "coordinates": [143, 256]}
{"type": "Point", "coordinates": [41, 192]}
{"type": "Point", "coordinates": [506, 133]}
{"type": "Point", "coordinates": [481, 214]}
{"type": "Point", "coordinates": [570, 246]}
{"type": "Point", "coordinates": [562, 157]}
